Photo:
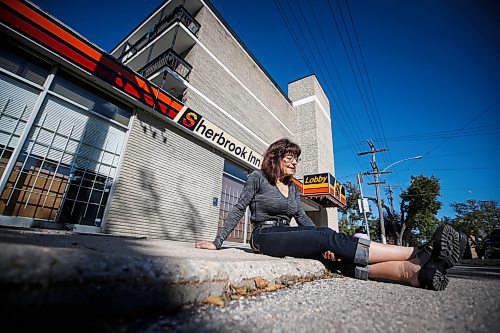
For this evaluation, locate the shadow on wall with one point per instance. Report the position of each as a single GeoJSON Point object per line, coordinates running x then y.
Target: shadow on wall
{"type": "Point", "coordinates": [186, 209]}
{"type": "Point", "coordinates": [154, 133]}
{"type": "Point", "coordinates": [184, 214]}
{"type": "Point", "coordinates": [190, 211]}
{"type": "Point", "coordinates": [151, 202]}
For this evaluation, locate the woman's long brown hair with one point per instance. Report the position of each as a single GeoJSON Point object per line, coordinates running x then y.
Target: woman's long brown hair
{"type": "Point", "coordinates": [273, 155]}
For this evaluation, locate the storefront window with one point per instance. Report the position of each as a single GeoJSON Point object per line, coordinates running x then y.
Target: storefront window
{"type": "Point", "coordinates": [23, 64]}
{"type": "Point", "coordinates": [17, 98]}
{"type": "Point", "coordinates": [17, 101]}
{"type": "Point", "coordinates": [85, 95]}
{"type": "Point", "coordinates": [69, 161]}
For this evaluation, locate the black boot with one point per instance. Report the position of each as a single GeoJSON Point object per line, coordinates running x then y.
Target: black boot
{"type": "Point", "coordinates": [448, 247]}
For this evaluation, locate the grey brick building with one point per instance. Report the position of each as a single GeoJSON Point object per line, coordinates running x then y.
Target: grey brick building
{"type": "Point", "coordinates": [155, 138]}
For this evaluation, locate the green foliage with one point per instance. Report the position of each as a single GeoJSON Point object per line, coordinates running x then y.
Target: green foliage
{"type": "Point", "coordinates": [351, 208]}
{"type": "Point", "coordinates": [475, 218]}
{"type": "Point", "coordinates": [416, 223]}
{"type": "Point", "coordinates": [419, 206]}
{"type": "Point", "coordinates": [346, 226]}
{"type": "Point", "coordinates": [374, 226]}
{"type": "Point", "coordinates": [351, 218]}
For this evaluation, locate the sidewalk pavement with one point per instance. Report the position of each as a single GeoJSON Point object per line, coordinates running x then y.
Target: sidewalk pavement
{"type": "Point", "coordinates": [52, 277]}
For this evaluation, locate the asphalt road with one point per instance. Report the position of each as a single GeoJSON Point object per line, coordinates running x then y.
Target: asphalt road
{"type": "Point", "coordinates": [471, 303]}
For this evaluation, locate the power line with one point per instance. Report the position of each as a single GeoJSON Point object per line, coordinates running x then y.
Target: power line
{"type": "Point", "coordinates": [376, 124]}
{"type": "Point", "coordinates": [351, 66]}
{"type": "Point", "coordinates": [462, 153]}
{"type": "Point", "coordinates": [366, 71]}
{"type": "Point", "coordinates": [279, 40]}
{"type": "Point", "coordinates": [278, 6]}
{"type": "Point", "coordinates": [351, 125]}
{"type": "Point", "coordinates": [479, 115]}
{"type": "Point", "coordinates": [473, 131]}
{"type": "Point", "coordinates": [459, 169]}
{"type": "Point", "coordinates": [330, 78]}
{"type": "Point", "coordinates": [288, 25]}
{"type": "Point", "coordinates": [362, 77]}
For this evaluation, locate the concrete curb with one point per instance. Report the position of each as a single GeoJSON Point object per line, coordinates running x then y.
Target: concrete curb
{"type": "Point", "coordinates": [55, 285]}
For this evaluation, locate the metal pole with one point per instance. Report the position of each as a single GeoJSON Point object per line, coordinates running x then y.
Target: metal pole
{"type": "Point", "coordinates": [363, 205]}
{"type": "Point", "coordinates": [245, 225]}
{"type": "Point", "coordinates": [380, 212]}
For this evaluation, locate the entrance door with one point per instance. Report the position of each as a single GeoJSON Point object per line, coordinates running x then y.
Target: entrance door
{"type": "Point", "coordinates": [233, 180]}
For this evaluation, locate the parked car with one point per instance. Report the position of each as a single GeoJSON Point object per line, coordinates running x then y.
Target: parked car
{"type": "Point", "coordinates": [492, 245]}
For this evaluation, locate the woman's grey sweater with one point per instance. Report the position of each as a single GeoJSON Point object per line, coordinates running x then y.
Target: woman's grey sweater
{"type": "Point", "coordinates": [266, 203]}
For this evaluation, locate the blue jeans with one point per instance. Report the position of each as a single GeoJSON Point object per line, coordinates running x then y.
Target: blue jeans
{"type": "Point", "coordinates": [310, 242]}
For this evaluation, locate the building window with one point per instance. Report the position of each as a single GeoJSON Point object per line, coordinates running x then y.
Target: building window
{"type": "Point", "coordinates": [24, 65]}
{"type": "Point", "coordinates": [88, 96]}
{"type": "Point", "coordinates": [69, 161]}
{"type": "Point", "coordinates": [17, 101]}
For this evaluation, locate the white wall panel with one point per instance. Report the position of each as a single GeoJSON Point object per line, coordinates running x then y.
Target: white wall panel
{"type": "Point", "coordinates": [166, 184]}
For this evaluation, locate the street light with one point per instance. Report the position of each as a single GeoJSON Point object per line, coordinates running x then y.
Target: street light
{"type": "Point", "coordinates": [404, 159]}
{"type": "Point", "coordinates": [379, 201]}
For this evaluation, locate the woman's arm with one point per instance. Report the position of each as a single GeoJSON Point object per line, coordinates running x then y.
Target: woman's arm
{"type": "Point", "coordinates": [252, 185]}
{"type": "Point", "coordinates": [301, 217]}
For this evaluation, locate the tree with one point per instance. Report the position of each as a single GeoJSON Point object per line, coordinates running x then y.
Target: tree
{"type": "Point", "coordinates": [418, 209]}
{"type": "Point", "coordinates": [476, 219]}
{"type": "Point", "coordinates": [346, 226]}
{"type": "Point", "coordinates": [415, 223]}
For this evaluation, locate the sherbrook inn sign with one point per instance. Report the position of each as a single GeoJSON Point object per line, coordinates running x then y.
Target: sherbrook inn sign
{"type": "Point", "coordinates": [217, 137]}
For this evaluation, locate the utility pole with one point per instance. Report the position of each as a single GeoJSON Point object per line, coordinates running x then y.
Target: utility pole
{"type": "Point", "coordinates": [375, 172]}
{"type": "Point", "coordinates": [391, 198]}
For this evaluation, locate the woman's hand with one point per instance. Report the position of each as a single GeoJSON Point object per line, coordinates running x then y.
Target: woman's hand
{"type": "Point", "coordinates": [205, 245]}
{"type": "Point", "coordinates": [329, 255]}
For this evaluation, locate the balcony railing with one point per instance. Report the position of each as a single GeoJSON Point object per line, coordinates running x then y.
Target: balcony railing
{"type": "Point", "coordinates": [179, 14]}
{"type": "Point", "coordinates": [168, 59]}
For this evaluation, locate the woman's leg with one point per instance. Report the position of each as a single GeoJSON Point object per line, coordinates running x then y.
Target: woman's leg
{"type": "Point", "coordinates": [385, 252]}
{"type": "Point", "coordinates": [398, 271]}
{"type": "Point", "coordinates": [304, 242]}
{"type": "Point", "coordinates": [427, 267]}
{"type": "Point", "coordinates": [310, 241]}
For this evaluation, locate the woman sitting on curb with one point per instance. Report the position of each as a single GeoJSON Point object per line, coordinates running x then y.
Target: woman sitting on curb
{"type": "Point", "coordinates": [274, 199]}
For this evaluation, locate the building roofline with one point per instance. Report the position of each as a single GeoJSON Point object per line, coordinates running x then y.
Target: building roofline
{"type": "Point", "coordinates": [302, 78]}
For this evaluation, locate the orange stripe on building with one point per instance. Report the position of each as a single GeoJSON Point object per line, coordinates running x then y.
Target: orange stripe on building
{"type": "Point", "coordinates": [299, 184]}
{"type": "Point", "coordinates": [315, 191]}
{"type": "Point", "coordinates": [89, 50]}
{"type": "Point", "coordinates": [325, 186]}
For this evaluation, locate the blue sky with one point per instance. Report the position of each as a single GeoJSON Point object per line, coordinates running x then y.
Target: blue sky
{"type": "Point", "coordinates": [416, 77]}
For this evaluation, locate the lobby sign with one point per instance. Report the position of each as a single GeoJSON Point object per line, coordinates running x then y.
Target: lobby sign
{"type": "Point", "coordinates": [324, 189]}
{"type": "Point", "coordinates": [316, 184]}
